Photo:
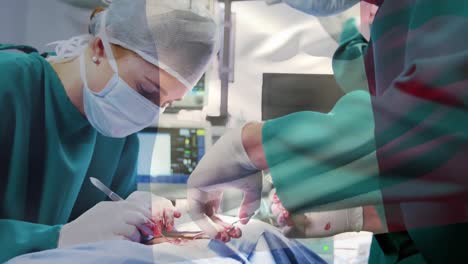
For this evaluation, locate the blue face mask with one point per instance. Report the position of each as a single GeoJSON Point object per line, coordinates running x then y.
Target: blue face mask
{"type": "Point", "coordinates": [117, 111]}
{"type": "Point", "coordinates": [318, 7]}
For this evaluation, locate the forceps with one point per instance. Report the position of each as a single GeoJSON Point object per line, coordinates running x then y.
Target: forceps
{"type": "Point", "coordinates": [240, 219]}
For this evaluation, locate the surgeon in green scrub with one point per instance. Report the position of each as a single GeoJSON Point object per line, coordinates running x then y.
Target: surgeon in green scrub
{"type": "Point", "coordinates": [412, 118]}
{"type": "Point", "coordinates": [349, 73]}
{"type": "Point", "coordinates": [74, 116]}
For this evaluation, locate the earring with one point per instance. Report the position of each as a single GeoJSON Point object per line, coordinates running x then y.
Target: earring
{"type": "Point", "coordinates": [95, 60]}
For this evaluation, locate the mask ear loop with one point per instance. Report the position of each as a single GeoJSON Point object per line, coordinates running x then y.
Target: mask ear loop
{"type": "Point", "coordinates": [83, 71]}
{"type": "Point", "coordinates": [105, 42]}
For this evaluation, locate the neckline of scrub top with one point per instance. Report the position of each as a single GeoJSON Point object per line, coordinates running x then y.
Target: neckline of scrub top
{"type": "Point", "coordinates": [74, 120]}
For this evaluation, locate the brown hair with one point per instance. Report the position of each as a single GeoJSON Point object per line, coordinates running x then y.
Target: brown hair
{"type": "Point", "coordinates": [96, 11]}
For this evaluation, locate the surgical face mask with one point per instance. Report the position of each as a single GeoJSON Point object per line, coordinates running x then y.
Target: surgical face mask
{"type": "Point", "coordinates": [117, 111]}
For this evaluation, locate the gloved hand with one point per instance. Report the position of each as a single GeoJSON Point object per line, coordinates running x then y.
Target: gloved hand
{"type": "Point", "coordinates": [226, 165]}
{"type": "Point", "coordinates": [161, 209]}
{"type": "Point", "coordinates": [106, 221]}
{"type": "Point", "coordinates": [119, 220]}
{"type": "Point", "coordinates": [317, 224]}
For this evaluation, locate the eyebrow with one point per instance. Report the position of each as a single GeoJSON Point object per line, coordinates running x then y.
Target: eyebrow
{"type": "Point", "coordinates": [164, 92]}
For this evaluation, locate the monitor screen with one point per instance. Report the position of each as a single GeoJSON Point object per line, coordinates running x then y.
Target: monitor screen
{"type": "Point", "coordinates": [283, 94]}
{"type": "Point", "coordinates": [169, 155]}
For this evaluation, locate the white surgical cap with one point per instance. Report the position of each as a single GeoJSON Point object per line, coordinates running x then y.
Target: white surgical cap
{"type": "Point", "coordinates": [178, 36]}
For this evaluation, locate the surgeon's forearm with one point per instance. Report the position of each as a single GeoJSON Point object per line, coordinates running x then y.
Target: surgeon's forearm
{"type": "Point", "coordinates": [252, 141]}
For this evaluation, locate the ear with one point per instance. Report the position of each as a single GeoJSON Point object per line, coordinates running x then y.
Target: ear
{"type": "Point", "coordinates": [97, 48]}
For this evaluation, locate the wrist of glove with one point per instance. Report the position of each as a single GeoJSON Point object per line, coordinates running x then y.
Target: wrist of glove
{"type": "Point", "coordinates": [324, 224]}
{"type": "Point", "coordinates": [317, 224]}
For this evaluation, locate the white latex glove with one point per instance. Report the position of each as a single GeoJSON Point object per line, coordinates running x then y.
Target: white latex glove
{"type": "Point", "coordinates": [324, 224]}
{"type": "Point", "coordinates": [226, 165]}
{"type": "Point", "coordinates": [317, 224]}
{"type": "Point", "coordinates": [106, 221]}
{"type": "Point", "coordinates": [161, 209]}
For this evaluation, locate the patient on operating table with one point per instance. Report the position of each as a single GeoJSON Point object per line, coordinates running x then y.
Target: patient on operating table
{"type": "Point", "coordinates": [260, 243]}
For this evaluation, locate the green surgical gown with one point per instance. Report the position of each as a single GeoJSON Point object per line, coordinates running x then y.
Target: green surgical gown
{"type": "Point", "coordinates": [48, 152]}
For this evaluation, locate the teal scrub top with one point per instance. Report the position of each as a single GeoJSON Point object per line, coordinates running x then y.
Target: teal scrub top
{"type": "Point", "coordinates": [303, 150]}
{"type": "Point", "coordinates": [48, 152]}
